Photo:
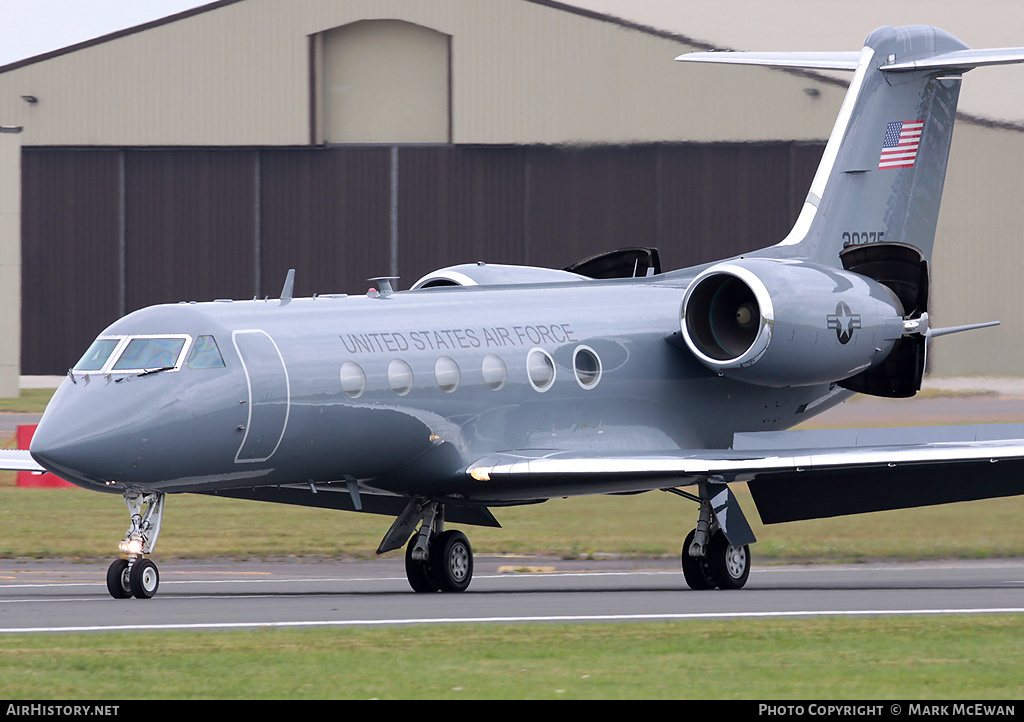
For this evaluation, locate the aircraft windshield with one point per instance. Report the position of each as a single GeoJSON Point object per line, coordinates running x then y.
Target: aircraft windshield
{"type": "Point", "coordinates": [97, 355]}
{"type": "Point", "coordinates": [150, 353]}
{"type": "Point", "coordinates": [205, 354]}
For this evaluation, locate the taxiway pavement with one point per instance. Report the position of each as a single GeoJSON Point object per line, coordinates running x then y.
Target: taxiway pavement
{"type": "Point", "coordinates": [51, 596]}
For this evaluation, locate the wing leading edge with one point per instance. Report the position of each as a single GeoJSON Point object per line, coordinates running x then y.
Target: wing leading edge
{"type": "Point", "coordinates": [797, 474]}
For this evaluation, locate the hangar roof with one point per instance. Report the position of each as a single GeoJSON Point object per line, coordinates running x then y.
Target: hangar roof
{"type": "Point", "coordinates": [843, 25]}
{"type": "Point", "coordinates": [247, 72]}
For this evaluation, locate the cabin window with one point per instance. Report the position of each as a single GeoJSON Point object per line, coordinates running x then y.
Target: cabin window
{"type": "Point", "coordinates": [495, 373]}
{"type": "Point", "coordinates": [353, 379]}
{"type": "Point", "coordinates": [587, 366]}
{"type": "Point", "coordinates": [447, 373]}
{"type": "Point", "coordinates": [205, 354]}
{"type": "Point", "coordinates": [150, 352]}
{"type": "Point", "coordinates": [540, 368]}
{"type": "Point", "coordinates": [400, 377]}
{"type": "Point", "coordinates": [96, 357]}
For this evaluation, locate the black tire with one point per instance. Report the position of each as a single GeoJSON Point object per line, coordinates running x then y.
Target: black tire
{"type": "Point", "coordinates": [417, 572]}
{"type": "Point", "coordinates": [695, 569]}
{"type": "Point", "coordinates": [117, 579]}
{"type": "Point", "coordinates": [144, 579]}
{"type": "Point", "coordinates": [451, 561]}
{"type": "Point", "coordinates": [729, 565]}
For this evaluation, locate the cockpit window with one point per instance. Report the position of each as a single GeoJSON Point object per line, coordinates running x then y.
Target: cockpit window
{"type": "Point", "coordinates": [144, 353]}
{"type": "Point", "coordinates": [205, 354]}
{"type": "Point", "coordinates": [97, 355]}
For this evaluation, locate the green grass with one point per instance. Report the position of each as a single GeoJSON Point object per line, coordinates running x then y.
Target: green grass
{"type": "Point", "coordinates": [76, 524]}
{"type": "Point", "coordinates": [31, 401]}
{"type": "Point", "coordinates": [903, 658]}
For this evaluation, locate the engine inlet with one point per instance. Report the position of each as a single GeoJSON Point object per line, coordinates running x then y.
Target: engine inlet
{"type": "Point", "coordinates": [722, 317]}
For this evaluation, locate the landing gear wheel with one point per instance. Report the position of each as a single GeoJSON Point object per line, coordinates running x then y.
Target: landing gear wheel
{"type": "Point", "coordinates": [117, 579]}
{"type": "Point", "coordinates": [729, 565]}
{"type": "Point", "coordinates": [418, 572]}
{"type": "Point", "coordinates": [451, 561]}
{"type": "Point", "coordinates": [143, 579]}
{"type": "Point", "coordinates": [696, 571]}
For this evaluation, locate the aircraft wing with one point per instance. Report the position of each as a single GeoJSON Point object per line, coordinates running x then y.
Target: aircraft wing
{"type": "Point", "coordinates": [795, 475]}
{"type": "Point", "coordinates": [17, 460]}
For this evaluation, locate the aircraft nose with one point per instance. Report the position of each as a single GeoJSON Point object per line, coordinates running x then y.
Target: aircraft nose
{"type": "Point", "coordinates": [61, 452]}
{"type": "Point", "coordinates": [82, 441]}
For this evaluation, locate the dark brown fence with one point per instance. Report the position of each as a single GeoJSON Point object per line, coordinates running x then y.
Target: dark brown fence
{"type": "Point", "coordinates": [107, 231]}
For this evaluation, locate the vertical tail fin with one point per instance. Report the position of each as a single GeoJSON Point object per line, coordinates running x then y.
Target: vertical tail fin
{"type": "Point", "coordinates": [884, 166]}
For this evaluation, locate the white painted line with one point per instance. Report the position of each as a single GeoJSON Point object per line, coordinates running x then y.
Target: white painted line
{"type": "Point", "coordinates": [506, 620]}
{"type": "Point", "coordinates": [323, 580]}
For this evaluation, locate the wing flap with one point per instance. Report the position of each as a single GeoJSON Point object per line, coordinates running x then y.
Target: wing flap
{"type": "Point", "coordinates": [827, 492]}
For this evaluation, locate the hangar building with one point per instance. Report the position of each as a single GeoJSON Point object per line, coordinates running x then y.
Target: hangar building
{"type": "Point", "coordinates": [203, 155]}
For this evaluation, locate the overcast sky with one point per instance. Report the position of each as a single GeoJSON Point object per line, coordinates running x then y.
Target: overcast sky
{"type": "Point", "coordinates": [32, 27]}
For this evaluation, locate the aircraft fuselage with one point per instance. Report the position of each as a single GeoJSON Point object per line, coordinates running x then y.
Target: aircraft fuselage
{"type": "Point", "coordinates": [401, 391]}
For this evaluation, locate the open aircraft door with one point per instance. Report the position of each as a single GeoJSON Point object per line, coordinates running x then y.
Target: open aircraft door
{"type": "Point", "coordinates": [269, 401]}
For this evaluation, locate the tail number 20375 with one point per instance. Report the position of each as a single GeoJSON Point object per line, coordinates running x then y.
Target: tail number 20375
{"type": "Point", "coordinates": [856, 238]}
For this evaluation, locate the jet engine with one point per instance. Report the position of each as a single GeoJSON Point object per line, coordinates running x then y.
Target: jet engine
{"type": "Point", "coordinates": [777, 322]}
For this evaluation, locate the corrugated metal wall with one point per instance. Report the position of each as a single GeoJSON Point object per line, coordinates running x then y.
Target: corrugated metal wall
{"type": "Point", "coordinates": [107, 231]}
{"type": "Point", "coordinates": [188, 225]}
{"type": "Point", "coordinates": [71, 278]}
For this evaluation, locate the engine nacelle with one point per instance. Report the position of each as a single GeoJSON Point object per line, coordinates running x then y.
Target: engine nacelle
{"type": "Point", "coordinates": [788, 323]}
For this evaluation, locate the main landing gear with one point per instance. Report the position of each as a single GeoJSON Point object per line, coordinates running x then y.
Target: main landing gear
{"type": "Point", "coordinates": [710, 558]}
{"type": "Point", "coordinates": [435, 560]}
{"type": "Point", "coordinates": [137, 576]}
{"type": "Point", "coordinates": [718, 564]}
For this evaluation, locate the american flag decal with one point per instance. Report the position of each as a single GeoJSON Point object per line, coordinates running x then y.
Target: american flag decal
{"type": "Point", "coordinates": [899, 148]}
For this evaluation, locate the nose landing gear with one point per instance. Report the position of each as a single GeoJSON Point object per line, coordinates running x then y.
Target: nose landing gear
{"type": "Point", "coordinates": [137, 576]}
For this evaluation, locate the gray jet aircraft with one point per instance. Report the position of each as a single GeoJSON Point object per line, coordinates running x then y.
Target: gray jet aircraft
{"type": "Point", "coordinates": [486, 386]}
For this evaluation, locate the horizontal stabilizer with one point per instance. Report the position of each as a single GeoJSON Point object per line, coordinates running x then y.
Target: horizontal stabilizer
{"type": "Point", "coordinates": [959, 60]}
{"type": "Point", "coordinates": [936, 332]}
{"type": "Point", "coordinates": [805, 61]}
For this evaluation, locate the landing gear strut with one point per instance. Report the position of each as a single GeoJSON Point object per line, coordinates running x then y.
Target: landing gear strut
{"type": "Point", "coordinates": [711, 558]}
{"type": "Point", "coordinates": [435, 560]}
{"type": "Point", "coordinates": [137, 576]}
